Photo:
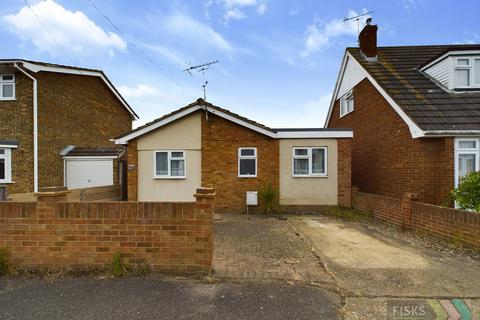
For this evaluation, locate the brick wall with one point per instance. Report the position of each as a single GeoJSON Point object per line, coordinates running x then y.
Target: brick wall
{"type": "Point", "coordinates": [72, 110]}
{"type": "Point", "coordinates": [448, 223]}
{"type": "Point", "coordinates": [385, 158]}
{"type": "Point", "coordinates": [344, 177]}
{"type": "Point", "coordinates": [167, 237]}
{"type": "Point", "coordinates": [220, 142]}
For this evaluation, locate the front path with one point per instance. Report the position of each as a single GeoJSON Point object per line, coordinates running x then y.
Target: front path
{"type": "Point", "coordinates": [257, 247]}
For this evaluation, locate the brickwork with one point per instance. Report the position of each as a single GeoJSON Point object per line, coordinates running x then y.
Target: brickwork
{"type": "Point", "coordinates": [344, 176]}
{"type": "Point", "coordinates": [167, 237]}
{"type": "Point", "coordinates": [220, 142]}
{"type": "Point", "coordinates": [448, 223]}
{"type": "Point", "coordinates": [72, 110]}
{"type": "Point", "coordinates": [132, 171]}
{"type": "Point", "coordinates": [385, 158]}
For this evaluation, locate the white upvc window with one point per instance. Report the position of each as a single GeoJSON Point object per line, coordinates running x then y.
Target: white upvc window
{"type": "Point", "coordinates": [467, 155]}
{"type": "Point", "coordinates": [7, 87]}
{"type": "Point", "coordinates": [467, 72]}
{"type": "Point", "coordinates": [309, 162]}
{"type": "Point", "coordinates": [346, 103]}
{"type": "Point", "coordinates": [247, 162]}
{"type": "Point", "coordinates": [169, 164]}
{"type": "Point", "coordinates": [5, 165]}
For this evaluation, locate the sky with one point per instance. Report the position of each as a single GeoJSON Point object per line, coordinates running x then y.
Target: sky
{"type": "Point", "coordinates": [278, 59]}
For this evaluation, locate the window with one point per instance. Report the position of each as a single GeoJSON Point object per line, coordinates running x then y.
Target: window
{"type": "Point", "coordinates": [467, 154]}
{"type": "Point", "coordinates": [7, 87]}
{"type": "Point", "coordinates": [169, 164]}
{"type": "Point", "coordinates": [467, 72]}
{"type": "Point", "coordinates": [309, 161]}
{"type": "Point", "coordinates": [346, 103]}
{"type": "Point", "coordinates": [5, 165]}
{"type": "Point", "coordinates": [247, 162]}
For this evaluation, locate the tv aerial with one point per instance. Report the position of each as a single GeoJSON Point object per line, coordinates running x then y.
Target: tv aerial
{"type": "Point", "coordinates": [357, 18]}
{"type": "Point", "coordinates": [201, 68]}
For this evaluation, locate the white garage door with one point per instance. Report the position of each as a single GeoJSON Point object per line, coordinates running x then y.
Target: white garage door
{"type": "Point", "coordinates": [83, 173]}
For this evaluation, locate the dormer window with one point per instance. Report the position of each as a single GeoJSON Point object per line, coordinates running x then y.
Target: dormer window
{"type": "Point", "coordinates": [7, 87]}
{"type": "Point", "coordinates": [467, 72]}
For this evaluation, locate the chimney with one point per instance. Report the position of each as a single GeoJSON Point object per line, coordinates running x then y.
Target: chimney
{"type": "Point", "coordinates": [368, 40]}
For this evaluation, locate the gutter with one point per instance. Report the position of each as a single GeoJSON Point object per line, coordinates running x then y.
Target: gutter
{"type": "Point", "coordinates": [35, 127]}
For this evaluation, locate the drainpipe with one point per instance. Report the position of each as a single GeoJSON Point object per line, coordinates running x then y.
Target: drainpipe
{"type": "Point", "coordinates": [35, 128]}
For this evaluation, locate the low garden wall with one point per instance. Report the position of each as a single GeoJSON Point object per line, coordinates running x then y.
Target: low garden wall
{"type": "Point", "coordinates": [448, 223]}
{"type": "Point", "coordinates": [53, 233]}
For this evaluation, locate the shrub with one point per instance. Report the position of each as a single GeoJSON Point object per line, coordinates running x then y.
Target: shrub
{"type": "Point", "coordinates": [467, 195]}
{"type": "Point", "coordinates": [268, 194]}
{"type": "Point", "coordinates": [3, 262]}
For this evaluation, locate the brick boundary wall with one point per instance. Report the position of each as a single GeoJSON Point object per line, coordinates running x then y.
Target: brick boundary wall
{"type": "Point", "coordinates": [447, 223]}
{"type": "Point", "coordinates": [344, 178]}
{"type": "Point", "coordinates": [51, 233]}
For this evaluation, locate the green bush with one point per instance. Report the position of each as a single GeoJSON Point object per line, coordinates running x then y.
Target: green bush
{"type": "Point", "coordinates": [118, 269]}
{"type": "Point", "coordinates": [268, 194]}
{"type": "Point", "coordinates": [467, 195]}
{"type": "Point", "coordinates": [3, 262]}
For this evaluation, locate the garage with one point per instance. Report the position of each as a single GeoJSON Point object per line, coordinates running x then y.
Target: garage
{"type": "Point", "coordinates": [89, 167]}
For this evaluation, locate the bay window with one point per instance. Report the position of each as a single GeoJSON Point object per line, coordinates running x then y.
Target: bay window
{"type": "Point", "coordinates": [309, 161]}
{"type": "Point", "coordinates": [169, 164]}
{"type": "Point", "coordinates": [467, 154]}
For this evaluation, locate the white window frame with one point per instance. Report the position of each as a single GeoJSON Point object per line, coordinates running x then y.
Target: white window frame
{"type": "Point", "coordinates": [344, 103]}
{"type": "Point", "coordinates": [8, 164]}
{"type": "Point", "coordinates": [470, 67]}
{"type": "Point", "coordinates": [459, 151]}
{"type": "Point", "coordinates": [310, 163]}
{"type": "Point", "coordinates": [9, 82]}
{"type": "Point", "coordinates": [240, 157]}
{"type": "Point", "coordinates": [169, 156]}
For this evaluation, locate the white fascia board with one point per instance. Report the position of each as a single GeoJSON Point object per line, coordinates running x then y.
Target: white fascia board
{"type": "Point", "coordinates": [415, 131]}
{"type": "Point", "coordinates": [451, 133]}
{"type": "Point", "coordinates": [337, 87]}
{"type": "Point", "coordinates": [36, 68]}
{"type": "Point", "coordinates": [153, 126]}
{"type": "Point", "coordinates": [243, 123]}
{"type": "Point", "coordinates": [88, 157]}
{"type": "Point", "coordinates": [450, 53]}
{"type": "Point", "coordinates": [314, 134]}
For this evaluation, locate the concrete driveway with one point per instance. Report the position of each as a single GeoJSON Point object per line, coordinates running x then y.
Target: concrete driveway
{"type": "Point", "coordinates": [373, 262]}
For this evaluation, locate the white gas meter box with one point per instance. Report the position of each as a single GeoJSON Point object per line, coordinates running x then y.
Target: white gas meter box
{"type": "Point", "coordinates": [252, 198]}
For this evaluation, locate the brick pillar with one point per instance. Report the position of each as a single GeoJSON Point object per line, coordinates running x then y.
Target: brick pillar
{"type": "Point", "coordinates": [132, 171]}
{"type": "Point", "coordinates": [344, 177]}
{"type": "Point", "coordinates": [204, 210]}
{"type": "Point", "coordinates": [406, 208]}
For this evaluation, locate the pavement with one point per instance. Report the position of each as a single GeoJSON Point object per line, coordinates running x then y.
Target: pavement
{"type": "Point", "coordinates": [156, 297]}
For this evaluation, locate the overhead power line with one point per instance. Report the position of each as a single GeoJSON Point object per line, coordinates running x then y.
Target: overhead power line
{"type": "Point", "coordinates": [150, 60]}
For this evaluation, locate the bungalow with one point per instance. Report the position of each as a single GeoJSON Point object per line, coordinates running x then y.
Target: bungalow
{"type": "Point", "coordinates": [204, 145]}
{"type": "Point", "coordinates": [415, 111]}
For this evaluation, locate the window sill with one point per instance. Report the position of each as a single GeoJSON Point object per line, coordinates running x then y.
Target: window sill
{"type": "Point", "coordinates": [247, 177]}
{"type": "Point", "coordinates": [169, 178]}
{"type": "Point", "coordinates": [345, 114]}
{"type": "Point", "coordinates": [6, 182]}
{"type": "Point", "coordinates": [310, 176]}
{"type": "Point", "coordinates": [8, 99]}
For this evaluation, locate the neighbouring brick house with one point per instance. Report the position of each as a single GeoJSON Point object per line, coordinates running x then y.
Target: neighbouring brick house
{"type": "Point", "coordinates": [54, 116]}
{"type": "Point", "coordinates": [205, 145]}
{"type": "Point", "coordinates": [415, 111]}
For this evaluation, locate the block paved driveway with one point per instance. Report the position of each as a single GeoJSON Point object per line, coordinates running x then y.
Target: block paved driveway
{"type": "Point", "coordinates": [257, 247]}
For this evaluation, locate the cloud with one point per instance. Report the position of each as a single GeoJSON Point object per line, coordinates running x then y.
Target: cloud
{"type": "Point", "coordinates": [409, 4]}
{"type": "Point", "coordinates": [234, 9]}
{"type": "Point", "coordinates": [141, 90]}
{"type": "Point", "coordinates": [61, 30]}
{"type": "Point", "coordinates": [188, 29]}
{"type": "Point", "coordinates": [319, 34]}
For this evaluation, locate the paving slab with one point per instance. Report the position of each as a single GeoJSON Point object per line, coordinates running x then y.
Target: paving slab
{"type": "Point", "coordinates": [257, 247]}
